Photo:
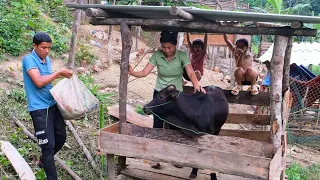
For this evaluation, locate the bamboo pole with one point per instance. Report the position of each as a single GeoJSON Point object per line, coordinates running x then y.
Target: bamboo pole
{"type": "Point", "coordinates": [277, 62]}
{"type": "Point", "coordinates": [176, 11]}
{"type": "Point", "coordinates": [31, 136]}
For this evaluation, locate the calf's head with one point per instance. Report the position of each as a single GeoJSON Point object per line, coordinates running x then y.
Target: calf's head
{"type": "Point", "coordinates": [163, 102]}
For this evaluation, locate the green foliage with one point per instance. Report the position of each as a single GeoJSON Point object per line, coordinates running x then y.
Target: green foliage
{"type": "Point", "coordinates": [139, 110]}
{"type": "Point", "coordinates": [315, 4]}
{"type": "Point", "coordinates": [255, 3]}
{"type": "Point", "coordinates": [83, 53]}
{"type": "Point", "coordinates": [316, 70]}
{"type": "Point", "coordinates": [298, 172]}
{"type": "Point", "coordinates": [277, 5]}
{"type": "Point", "coordinates": [57, 11]}
{"type": "Point", "coordinates": [88, 81]}
{"type": "Point", "coordinates": [20, 20]}
{"type": "Point", "coordinates": [18, 94]}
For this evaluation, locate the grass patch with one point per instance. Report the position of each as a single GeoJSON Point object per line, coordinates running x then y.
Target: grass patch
{"type": "Point", "coordinates": [298, 172]}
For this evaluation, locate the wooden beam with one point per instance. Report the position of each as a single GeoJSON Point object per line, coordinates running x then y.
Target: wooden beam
{"type": "Point", "coordinates": [263, 136]}
{"type": "Point", "coordinates": [256, 119]}
{"type": "Point", "coordinates": [244, 97]}
{"type": "Point", "coordinates": [202, 158]}
{"type": "Point", "coordinates": [102, 14]}
{"type": "Point", "coordinates": [176, 11]}
{"type": "Point", "coordinates": [199, 26]}
{"type": "Point", "coordinates": [111, 167]}
{"type": "Point", "coordinates": [221, 143]}
{"type": "Point", "coordinates": [123, 85]}
{"type": "Point", "coordinates": [286, 66]}
{"type": "Point", "coordinates": [277, 62]}
{"type": "Point", "coordinates": [276, 165]}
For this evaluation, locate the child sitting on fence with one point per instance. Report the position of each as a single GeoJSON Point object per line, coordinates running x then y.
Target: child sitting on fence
{"type": "Point", "coordinates": [197, 55]}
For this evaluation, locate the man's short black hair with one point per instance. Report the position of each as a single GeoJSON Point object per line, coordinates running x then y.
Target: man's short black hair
{"type": "Point", "coordinates": [244, 41]}
{"type": "Point", "coordinates": [40, 37]}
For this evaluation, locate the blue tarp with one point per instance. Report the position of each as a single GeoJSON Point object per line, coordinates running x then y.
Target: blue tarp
{"type": "Point", "coordinates": [298, 72]}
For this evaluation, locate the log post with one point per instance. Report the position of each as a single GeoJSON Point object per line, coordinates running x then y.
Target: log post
{"type": "Point", "coordinates": [176, 11]}
{"type": "Point", "coordinates": [74, 39]}
{"type": "Point", "coordinates": [95, 12]}
{"type": "Point", "coordinates": [126, 40]}
{"type": "Point", "coordinates": [138, 32]}
{"type": "Point", "coordinates": [277, 62]}
{"type": "Point", "coordinates": [286, 66]}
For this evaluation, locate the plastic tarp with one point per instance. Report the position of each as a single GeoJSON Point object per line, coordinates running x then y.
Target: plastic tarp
{"type": "Point", "coordinates": [301, 54]}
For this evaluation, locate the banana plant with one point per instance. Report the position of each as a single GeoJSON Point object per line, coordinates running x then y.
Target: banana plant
{"type": "Point", "coordinates": [277, 5]}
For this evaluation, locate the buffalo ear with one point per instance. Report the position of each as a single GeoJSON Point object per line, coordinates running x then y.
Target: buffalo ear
{"type": "Point", "coordinates": [171, 88]}
{"type": "Point", "coordinates": [174, 95]}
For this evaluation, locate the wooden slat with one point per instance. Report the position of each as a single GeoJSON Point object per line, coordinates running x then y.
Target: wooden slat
{"type": "Point", "coordinates": [19, 164]}
{"type": "Point", "coordinates": [255, 119]}
{"type": "Point", "coordinates": [244, 97]}
{"type": "Point", "coordinates": [161, 151]}
{"type": "Point", "coordinates": [263, 136]}
{"type": "Point", "coordinates": [146, 175]}
{"type": "Point", "coordinates": [276, 165]}
{"type": "Point", "coordinates": [222, 143]}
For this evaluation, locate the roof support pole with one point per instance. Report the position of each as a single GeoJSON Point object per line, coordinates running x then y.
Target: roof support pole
{"type": "Point", "coordinates": [286, 66]}
{"type": "Point", "coordinates": [176, 11]}
{"type": "Point", "coordinates": [126, 40]}
{"type": "Point", "coordinates": [277, 62]}
{"type": "Point", "coordinates": [199, 26]}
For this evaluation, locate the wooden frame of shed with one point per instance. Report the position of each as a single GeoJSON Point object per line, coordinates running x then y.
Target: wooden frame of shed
{"type": "Point", "coordinates": [266, 160]}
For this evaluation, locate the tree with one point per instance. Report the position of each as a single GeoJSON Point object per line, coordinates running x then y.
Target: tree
{"type": "Point", "coordinates": [315, 4]}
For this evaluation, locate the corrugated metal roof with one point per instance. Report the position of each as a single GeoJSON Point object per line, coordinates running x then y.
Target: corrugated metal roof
{"type": "Point", "coordinates": [162, 12]}
{"type": "Point", "coordinates": [301, 54]}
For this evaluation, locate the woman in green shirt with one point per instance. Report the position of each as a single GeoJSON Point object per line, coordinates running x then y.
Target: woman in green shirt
{"type": "Point", "coordinates": [170, 63]}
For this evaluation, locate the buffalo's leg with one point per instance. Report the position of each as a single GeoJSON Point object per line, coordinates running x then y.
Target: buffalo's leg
{"type": "Point", "coordinates": [193, 173]}
{"type": "Point", "coordinates": [213, 176]}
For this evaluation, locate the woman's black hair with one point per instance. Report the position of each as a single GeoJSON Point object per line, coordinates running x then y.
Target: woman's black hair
{"type": "Point", "coordinates": [169, 37]}
{"type": "Point", "coordinates": [244, 41]}
{"type": "Point", "coordinates": [198, 42]}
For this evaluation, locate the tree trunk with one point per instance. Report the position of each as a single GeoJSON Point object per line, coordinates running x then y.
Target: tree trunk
{"type": "Point", "coordinates": [286, 66]}
{"type": "Point", "coordinates": [277, 62]}
{"type": "Point", "coordinates": [109, 42]}
{"type": "Point", "coordinates": [74, 38]}
{"type": "Point", "coordinates": [126, 40]}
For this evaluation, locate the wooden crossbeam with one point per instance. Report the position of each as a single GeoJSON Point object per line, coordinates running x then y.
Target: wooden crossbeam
{"type": "Point", "coordinates": [202, 26]}
{"type": "Point", "coordinates": [244, 97]}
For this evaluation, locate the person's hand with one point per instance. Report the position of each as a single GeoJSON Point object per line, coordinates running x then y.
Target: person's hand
{"type": "Point", "coordinates": [200, 89]}
{"type": "Point", "coordinates": [65, 72]}
{"type": "Point", "coordinates": [238, 52]}
{"type": "Point", "coordinates": [130, 70]}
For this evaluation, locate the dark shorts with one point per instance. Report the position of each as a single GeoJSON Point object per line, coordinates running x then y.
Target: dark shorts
{"type": "Point", "coordinates": [247, 83]}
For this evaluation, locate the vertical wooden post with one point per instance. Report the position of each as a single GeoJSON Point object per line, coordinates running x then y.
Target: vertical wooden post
{"type": "Point", "coordinates": [138, 32]}
{"type": "Point", "coordinates": [111, 167]}
{"type": "Point", "coordinates": [74, 39]}
{"type": "Point", "coordinates": [126, 40]}
{"type": "Point", "coordinates": [286, 66]}
{"type": "Point", "coordinates": [277, 62]}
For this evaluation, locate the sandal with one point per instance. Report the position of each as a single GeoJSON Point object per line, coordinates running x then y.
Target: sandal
{"type": "Point", "coordinates": [235, 91]}
{"type": "Point", "coordinates": [254, 90]}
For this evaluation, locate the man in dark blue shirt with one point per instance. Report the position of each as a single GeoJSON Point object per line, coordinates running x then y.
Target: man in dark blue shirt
{"type": "Point", "coordinates": [47, 120]}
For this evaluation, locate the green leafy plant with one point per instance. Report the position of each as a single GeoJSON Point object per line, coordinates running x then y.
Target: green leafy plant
{"type": "Point", "coordinates": [139, 110]}
{"type": "Point", "coordinates": [298, 172]}
{"type": "Point", "coordinates": [18, 94]}
{"type": "Point", "coordinates": [83, 53]}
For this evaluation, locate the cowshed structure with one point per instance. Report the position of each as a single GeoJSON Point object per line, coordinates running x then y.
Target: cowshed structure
{"type": "Point", "coordinates": [227, 155]}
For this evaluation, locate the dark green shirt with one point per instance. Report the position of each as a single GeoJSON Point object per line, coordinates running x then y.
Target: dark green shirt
{"type": "Point", "coordinates": [169, 73]}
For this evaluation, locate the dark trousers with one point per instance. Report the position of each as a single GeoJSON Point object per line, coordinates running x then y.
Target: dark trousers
{"type": "Point", "coordinates": [50, 130]}
{"type": "Point", "coordinates": [157, 122]}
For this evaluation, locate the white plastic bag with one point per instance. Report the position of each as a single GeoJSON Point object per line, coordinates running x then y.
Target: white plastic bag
{"type": "Point", "coordinates": [73, 98]}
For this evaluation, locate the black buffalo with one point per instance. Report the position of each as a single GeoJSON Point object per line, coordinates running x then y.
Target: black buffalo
{"type": "Point", "coordinates": [195, 114]}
